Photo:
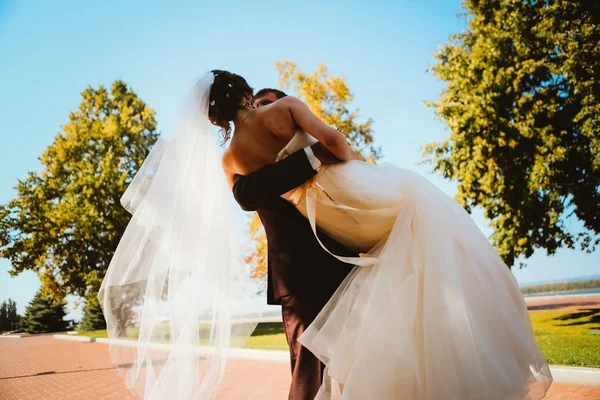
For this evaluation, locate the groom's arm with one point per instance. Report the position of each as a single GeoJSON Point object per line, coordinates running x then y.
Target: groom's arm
{"type": "Point", "coordinates": [254, 190]}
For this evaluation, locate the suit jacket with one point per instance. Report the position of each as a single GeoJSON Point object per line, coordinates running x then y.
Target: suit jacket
{"type": "Point", "coordinates": [297, 265]}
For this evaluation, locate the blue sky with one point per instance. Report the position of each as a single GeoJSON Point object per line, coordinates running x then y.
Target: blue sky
{"type": "Point", "coordinates": [51, 51]}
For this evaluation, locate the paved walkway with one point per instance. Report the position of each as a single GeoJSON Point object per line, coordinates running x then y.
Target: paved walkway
{"type": "Point", "coordinates": [43, 368]}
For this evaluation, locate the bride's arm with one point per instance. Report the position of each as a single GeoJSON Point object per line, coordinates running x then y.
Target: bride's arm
{"type": "Point", "coordinates": [310, 123]}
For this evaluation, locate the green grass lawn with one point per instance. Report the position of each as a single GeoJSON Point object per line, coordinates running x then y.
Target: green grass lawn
{"type": "Point", "coordinates": [563, 336]}
{"type": "Point", "coordinates": [266, 336]}
{"type": "Point", "coordinates": [95, 334]}
{"type": "Point", "coordinates": [566, 337]}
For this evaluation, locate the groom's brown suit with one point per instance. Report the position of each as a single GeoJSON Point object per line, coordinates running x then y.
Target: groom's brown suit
{"type": "Point", "coordinates": [302, 276]}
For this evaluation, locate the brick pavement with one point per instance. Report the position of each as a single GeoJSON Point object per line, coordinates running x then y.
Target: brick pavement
{"type": "Point", "coordinates": [43, 368]}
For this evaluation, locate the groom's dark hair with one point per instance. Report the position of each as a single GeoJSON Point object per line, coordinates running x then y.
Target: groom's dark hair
{"type": "Point", "coordinates": [278, 93]}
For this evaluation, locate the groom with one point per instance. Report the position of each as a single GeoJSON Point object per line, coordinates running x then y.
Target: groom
{"type": "Point", "coordinates": [301, 276]}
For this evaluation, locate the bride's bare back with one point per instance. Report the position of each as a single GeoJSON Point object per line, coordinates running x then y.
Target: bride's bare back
{"type": "Point", "coordinates": [254, 144]}
{"type": "Point", "coordinates": [265, 132]}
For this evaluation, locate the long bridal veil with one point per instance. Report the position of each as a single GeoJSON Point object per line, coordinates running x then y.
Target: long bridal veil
{"type": "Point", "coordinates": [177, 294]}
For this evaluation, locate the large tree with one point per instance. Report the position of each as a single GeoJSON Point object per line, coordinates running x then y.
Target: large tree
{"type": "Point", "coordinates": [44, 314]}
{"type": "Point", "coordinates": [66, 221]}
{"type": "Point", "coordinates": [329, 97]}
{"type": "Point", "coordinates": [522, 101]}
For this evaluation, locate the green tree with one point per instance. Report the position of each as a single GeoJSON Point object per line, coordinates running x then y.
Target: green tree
{"type": "Point", "coordinates": [329, 98]}
{"type": "Point", "coordinates": [66, 221]}
{"type": "Point", "coordinates": [93, 319]}
{"type": "Point", "coordinates": [3, 317]}
{"type": "Point", "coordinates": [9, 318]}
{"type": "Point", "coordinates": [522, 101]}
{"type": "Point", "coordinates": [44, 314]}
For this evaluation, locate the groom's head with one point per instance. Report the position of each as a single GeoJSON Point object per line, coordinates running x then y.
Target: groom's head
{"type": "Point", "coordinates": [267, 96]}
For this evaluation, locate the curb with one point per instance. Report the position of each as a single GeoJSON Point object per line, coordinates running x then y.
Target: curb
{"type": "Point", "coordinates": [11, 336]}
{"type": "Point", "coordinates": [85, 339]}
{"type": "Point", "coordinates": [247, 354]}
{"type": "Point", "coordinates": [576, 375]}
{"type": "Point", "coordinates": [264, 355]}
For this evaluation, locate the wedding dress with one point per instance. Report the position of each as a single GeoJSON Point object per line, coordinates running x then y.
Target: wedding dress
{"type": "Point", "coordinates": [430, 311]}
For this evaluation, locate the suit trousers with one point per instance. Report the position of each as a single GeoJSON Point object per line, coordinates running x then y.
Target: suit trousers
{"type": "Point", "coordinates": [307, 370]}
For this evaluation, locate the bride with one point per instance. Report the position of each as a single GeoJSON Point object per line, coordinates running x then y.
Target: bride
{"type": "Point", "coordinates": [430, 311]}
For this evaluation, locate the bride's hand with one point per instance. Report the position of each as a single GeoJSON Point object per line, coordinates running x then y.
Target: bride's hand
{"type": "Point", "coordinates": [324, 155]}
{"type": "Point", "coordinates": [356, 157]}
{"type": "Point", "coordinates": [333, 140]}
{"type": "Point", "coordinates": [327, 157]}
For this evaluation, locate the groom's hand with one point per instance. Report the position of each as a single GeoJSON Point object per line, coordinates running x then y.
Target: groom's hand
{"type": "Point", "coordinates": [324, 155]}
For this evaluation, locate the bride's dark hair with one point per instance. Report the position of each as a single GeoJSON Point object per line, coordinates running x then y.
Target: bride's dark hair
{"type": "Point", "coordinates": [228, 94]}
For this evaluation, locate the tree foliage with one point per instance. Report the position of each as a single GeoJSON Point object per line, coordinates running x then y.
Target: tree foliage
{"type": "Point", "coordinates": [93, 318]}
{"type": "Point", "coordinates": [9, 318]}
{"type": "Point", "coordinates": [257, 258]}
{"type": "Point", "coordinates": [44, 314]}
{"type": "Point", "coordinates": [522, 101]}
{"type": "Point", "coordinates": [66, 221]}
{"type": "Point", "coordinates": [330, 98]}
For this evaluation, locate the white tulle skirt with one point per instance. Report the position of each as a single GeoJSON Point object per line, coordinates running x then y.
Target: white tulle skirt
{"type": "Point", "coordinates": [431, 311]}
